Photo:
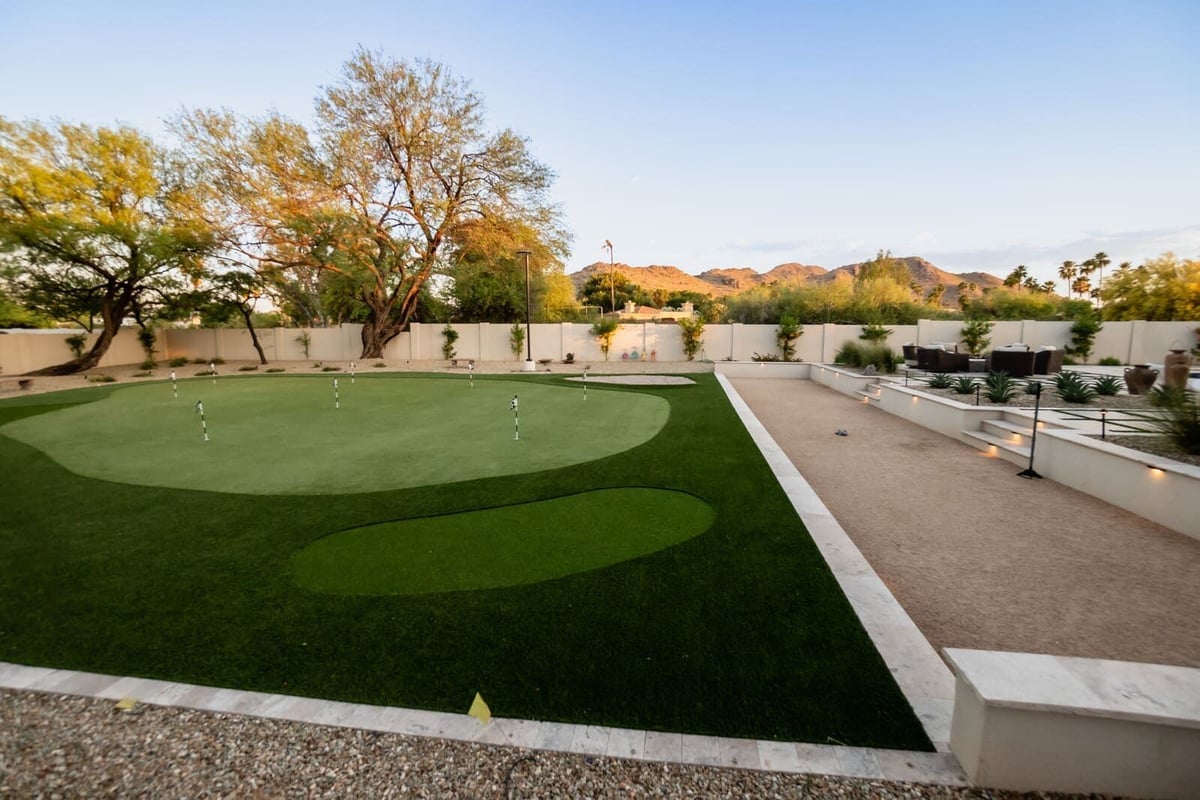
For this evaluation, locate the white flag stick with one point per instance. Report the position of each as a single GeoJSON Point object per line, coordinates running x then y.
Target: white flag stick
{"type": "Point", "coordinates": [174, 386]}
{"type": "Point", "coordinates": [203, 421]}
{"type": "Point", "coordinates": [516, 418]}
{"type": "Point", "coordinates": [337, 403]}
{"type": "Point", "coordinates": [212, 367]}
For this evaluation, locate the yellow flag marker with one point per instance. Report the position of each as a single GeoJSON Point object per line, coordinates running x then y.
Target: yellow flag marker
{"type": "Point", "coordinates": [126, 704]}
{"type": "Point", "coordinates": [480, 710]}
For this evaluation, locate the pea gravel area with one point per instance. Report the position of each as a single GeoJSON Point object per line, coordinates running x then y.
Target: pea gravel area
{"type": "Point", "coordinates": [978, 557]}
{"type": "Point", "coordinates": [54, 746]}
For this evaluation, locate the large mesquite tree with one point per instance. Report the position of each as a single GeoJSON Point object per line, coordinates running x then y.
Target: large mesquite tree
{"type": "Point", "coordinates": [96, 222]}
{"type": "Point", "coordinates": [400, 160]}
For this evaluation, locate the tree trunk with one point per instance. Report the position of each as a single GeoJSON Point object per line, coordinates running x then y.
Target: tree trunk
{"type": "Point", "coordinates": [112, 314]}
{"type": "Point", "coordinates": [380, 328]}
{"type": "Point", "coordinates": [262, 357]}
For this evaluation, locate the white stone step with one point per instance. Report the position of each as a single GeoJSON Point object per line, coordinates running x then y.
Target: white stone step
{"type": "Point", "coordinates": [1001, 446]}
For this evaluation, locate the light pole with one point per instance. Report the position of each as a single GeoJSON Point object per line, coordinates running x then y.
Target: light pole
{"type": "Point", "coordinates": [612, 277]}
{"type": "Point", "coordinates": [528, 328]}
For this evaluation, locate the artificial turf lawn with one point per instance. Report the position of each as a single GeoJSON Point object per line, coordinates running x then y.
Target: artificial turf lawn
{"type": "Point", "coordinates": [285, 436]}
{"type": "Point", "coordinates": [508, 546]}
{"type": "Point", "coordinates": [740, 631]}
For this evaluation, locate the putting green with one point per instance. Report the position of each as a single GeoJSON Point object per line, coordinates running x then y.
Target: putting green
{"type": "Point", "coordinates": [508, 546]}
{"type": "Point", "coordinates": [284, 436]}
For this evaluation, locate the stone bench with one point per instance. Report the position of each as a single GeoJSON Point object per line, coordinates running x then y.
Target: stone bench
{"type": "Point", "coordinates": [1029, 722]}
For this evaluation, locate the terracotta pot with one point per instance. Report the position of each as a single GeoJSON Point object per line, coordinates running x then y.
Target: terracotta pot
{"type": "Point", "coordinates": [1140, 378]}
{"type": "Point", "coordinates": [1175, 369]}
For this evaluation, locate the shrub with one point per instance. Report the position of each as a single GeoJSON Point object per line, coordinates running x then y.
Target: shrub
{"type": "Point", "coordinates": [516, 339]}
{"type": "Point", "coordinates": [1181, 421]}
{"type": "Point", "coordinates": [143, 374]}
{"type": "Point", "coordinates": [874, 333]}
{"type": "Point", "coordinates": [199, 360]}
{"type": "Point", "coordinates": [149, 363]}
{"type": "Point", "coordinates": [766, 357]}
{"type": "Point", "coordinates": [379, 364]}
{"type": "Point", "coordinates": [451, 336]}
{"type": "Point", "coordinates": [147, 338]}
{"type": "Point", "coordinates": [248, 368]}
{"type": "Point", "coordinates": [102, 379]}
{"type": "Point", "coordinates": [76, 342]}
{"type": "Point", "coordinates": [331, 369]}
{"type": "Point", "coordinates": [276, 369]}
{"type": "Point", "coordinates": [216, 360]}
{"type": "Point", "coordinates": [1107, 386]}
{"type": "Point", "coordinates": [1110, 361]}
{"type": "Point", "coordinates": [976, 336]}
{"type": "Point", "coordinates": [1033, 387]}
{"type": "Point", "coordinates": [1072, 388]}
{"type": "Point", "coordinates": [940, 381]}
{"type": "Point", "coordinates": [692, 330]}
{"type": "Point", "coordinates": [1000, 387]}
{"type": "Point", "coordinates": [569, 358]}
{"type": "Point", "coordinates": [305, 342]}
{"type": "Point", "coordinates": [963, 384]}
{"type": "Point", "coordinates": [178, 361]}
{"type": "Point", "coordinates": [786, 334]}
{"type": "Point", "coordinates": [849, 354]}
{"type": "Point", "coordinates": [1166, 396]}
{"type": "Point", "coordinates": [604, 329]}
{"type": "Point", "coordinates": [1083, 335]}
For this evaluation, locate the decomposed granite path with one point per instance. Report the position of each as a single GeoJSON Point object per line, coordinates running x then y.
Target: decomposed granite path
{"type": "Point", "coordinates": [978, 557]}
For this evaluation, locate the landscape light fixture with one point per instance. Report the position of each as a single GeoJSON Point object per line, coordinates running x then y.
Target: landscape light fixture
{"type": "Point", "coordinates": [528, 327]}
{"type": "Point", "coordinates": [1031, 473]}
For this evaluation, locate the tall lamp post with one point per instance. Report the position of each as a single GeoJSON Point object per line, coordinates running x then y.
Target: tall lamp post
{"type": "Point", "coordinates": [528, 327]}
{"type": "Point", "coordinates": [612, 277]}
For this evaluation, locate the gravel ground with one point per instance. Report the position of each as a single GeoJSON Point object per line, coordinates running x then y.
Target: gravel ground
{"type": "Point", "coordinates": [978, 557]}
{"type": "Point", "coordinates": [54, 746]}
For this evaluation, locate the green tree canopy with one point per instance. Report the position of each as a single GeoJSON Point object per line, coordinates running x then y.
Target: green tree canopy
{"type": "Point", "coordinates": [1163, 288]}
{"type": "Point", "coordinates": [401, 159]}
{"type": "Point", "coordinates": [601, 287]}
{"type": "Point", "coordinates": [100, 223]}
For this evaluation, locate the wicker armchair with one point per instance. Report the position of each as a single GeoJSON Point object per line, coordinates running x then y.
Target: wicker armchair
{"type": "Point", "coordinates": [1017, 363]}
{"type": "Point", "coordinates": [1048, 361]}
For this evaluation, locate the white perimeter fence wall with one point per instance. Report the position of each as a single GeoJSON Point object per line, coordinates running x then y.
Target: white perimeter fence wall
{"type": "Point", "coordinates": [24, 351]}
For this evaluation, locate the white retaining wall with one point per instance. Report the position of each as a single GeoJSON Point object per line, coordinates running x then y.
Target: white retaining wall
{"type": "Point", "coordinates": [1130, 342]}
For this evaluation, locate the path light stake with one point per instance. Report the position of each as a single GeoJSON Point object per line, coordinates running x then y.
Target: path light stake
{"type": "Point", "coordinates": [977, 388]}
{"type": "Point", "coordinates": [1103, 423]}
{"type": "Point", "coordinates": [516, 419]}
{"type": "Point", "coordinates": [174, 386]}
{"type": "Point", "coordinates": [337, 402]}
{"type": "Point", "coordinates": [203, 421]}
{"type": "Point", "coordinates": [1030, 473]}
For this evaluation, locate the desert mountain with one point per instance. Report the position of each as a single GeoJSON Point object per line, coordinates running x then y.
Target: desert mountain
{"type": "Point", "coordinates": [721, 282]}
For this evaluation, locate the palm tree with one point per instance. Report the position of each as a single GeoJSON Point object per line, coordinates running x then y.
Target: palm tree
{"type": "Point", "coordinates": [1101, 260]}
{"type": "Point", "coordinates": [1067, 272]}
{"type": "Point", "coordinates": [1082, 286]}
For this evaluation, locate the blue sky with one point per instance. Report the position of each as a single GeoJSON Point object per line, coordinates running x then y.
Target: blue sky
{"type": "Point", "coordinates": [701, 134]}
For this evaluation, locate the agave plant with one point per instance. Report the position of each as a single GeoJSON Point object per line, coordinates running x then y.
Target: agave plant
{"type": "Point", "coordinates": [1072, 388]}
{"type": "Point", "coordinates": [1000, 387]}
{"type": "Point", "coordinates": [963, 384]}
{"type": "Point", "coordinates": [1033, 387]}
{"type": "Point", "coordinates": [940, 381]}
{"type": "Point", "coordinates": [1107, 386]}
